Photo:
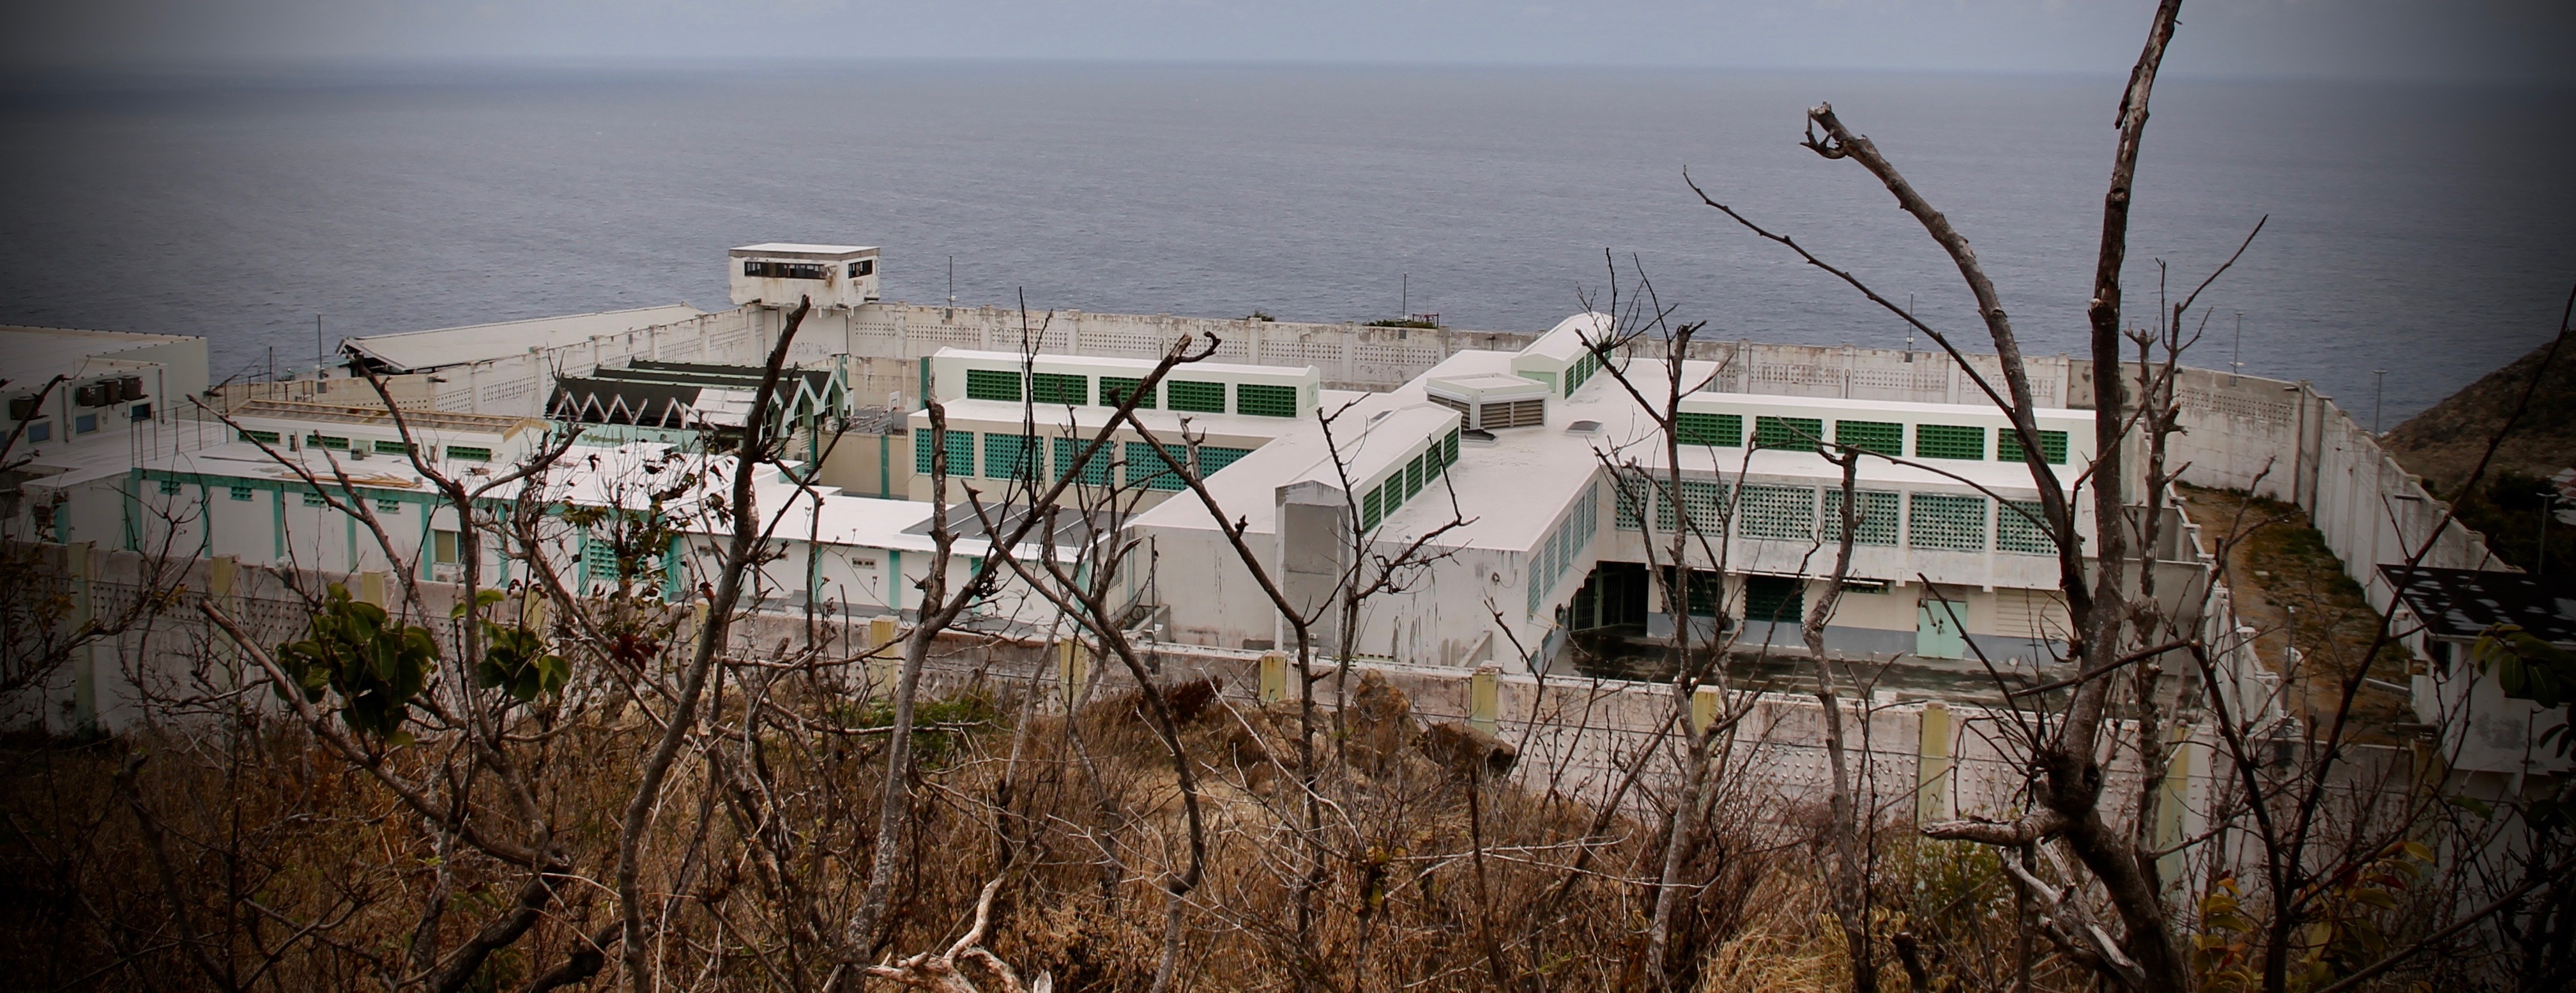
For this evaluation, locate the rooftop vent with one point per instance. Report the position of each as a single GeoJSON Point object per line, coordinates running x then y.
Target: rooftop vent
{"type": "Point", "coordinates": [1491, 402]}
{"type": "Point", "coordinates": [1583, 427]}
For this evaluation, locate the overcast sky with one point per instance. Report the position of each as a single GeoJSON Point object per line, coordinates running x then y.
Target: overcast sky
{"type": "Point", "coordinates": [2516, 40]}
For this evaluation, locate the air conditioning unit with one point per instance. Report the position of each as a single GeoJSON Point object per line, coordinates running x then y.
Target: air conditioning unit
{"type": "Point", "coordinates": [1492, 401]}
{"type": "Point", "coordinates": [129, 388]}
{"type": "Point", "coordinates": [98, 394]}
{"type": "Point", "coordinates": [24, 408]}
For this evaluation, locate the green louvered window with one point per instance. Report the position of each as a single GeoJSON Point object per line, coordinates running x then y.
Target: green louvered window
{"type": "Point", "coordinates": [599, 559]}
{"type": "Point", "coordinates": [1370, 512]}
{"type": "Point", "coordinates": [1883, 437]}
{"type": "Point", "coordinates": [1780, 513]}
{"type": "Point", "coordinates": [2052, 446]}
{"type": "Point", "coordinates": [1264, 400]}
{"type": "Point", "coordinates": [921, 448]}
{"type": "Point", "coordinates": [1413, 477]}
{"type": "Point", "coordinates": [1946, 521]}
{"type": "Point", "coordinates": [1788, 432]}
{"type": "Point", "coordinates": [1094, 472]}
{"type": "Point", "coordinates": [961, 453]}
{"type": "Point", "coordinates": [1449, 449]}
{"type": "Point", "coordinates": [388, 506]}
{"type": "Point", "coordinates": [1780, 599]}
{"type": "Point", "coordinates": [241, 493]}
{"type": "Point", "coordinates": [326, 441]}
{"type": "Point", "coordinates": [2021, 527]}
{"type": "Point", "coordinates": [1432, 463]}
{"type": "Point", "coordinates": [392, 448]}
{"type": "Point", "coordinates": [1056, 388]}
{"type": "Point", "coordinates": [1949, 441]}
{"type": "Point", "coordinates": [270, 437]}
{"type": "Point", "coordinates": [1721, 430]}
{"type": "Point", "coordinates": [313, 498]}
{"type": "Point", "coordinates": [1213, 458]}
{"type": "Point", "coordinates": [1150, 467]}
{"type": "Point", "coordinates": [1010, 456]}
{"type": "Point", "coordinates": [469, 453]}
{"type": "Point", "coordinates": [1204, 398]}
{"type": "Point", "coordinates": [1877, 518]}
{"type": "Point", "coordinates": [1114, 390]}
{"type": "Point", "coordinates": [1391, 495]}
{"type": "Point", "coordinates": [993, 384]}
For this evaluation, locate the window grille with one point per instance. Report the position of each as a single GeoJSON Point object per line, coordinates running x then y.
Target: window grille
{"type": "Point", "coordinates": [169, 487]}
{"type": "Point", "coordinates": [1094, 472]}
{"type": "Point", "coordinates": [1632, 492]}
{"type": "Point", "coordinates": [1949, 441]}
{"type": "Point", "coordinates": [2021, 527]}
{"type": "Point", "coordinates": [599, 559]}
{"type": "Point", "coordinates": [1059, 388]}
{"type": "Point", "coordinates": [270, 437]}
{"type": "Point", "coordinates": [392, 448]}
{"type": "Point", "coordinates": [1705, 501]}
{"type": "Point", "coordinates": [313, 498]}
{"type": "Point", "coordinates": [469, 453]}
{"type": "Point", "coordinates": [921, 447]}
{"type": "Point", "coordinates": [1370, 512]}
{"type": "Point", "coordinates": [2052, 447]}
{"type": "Point", "coordinates": [1204, 398]}
{"type": "Point", "coordinates": [326, 441]}
{"type": "Point", "coordinates": [1721, 430]}
{"type": "Point", "coordinates": [1010, 456]}
{"type": "Point", "coordinates": [1788, 432]}
{"type": "Point", "coordinates": [1782, 513]}
{"type": "Point", "coordinates": [1877, 517]}
{"type": "Point", "coordinates": [1413, 477]}
{"type": "Point", "coordinates": [1779, 599]}
{"type": "Point", "coordinates": [1212, 458]}
{"type": "Point", "coordinates": [1261, 400]}
{"type": "Point", "coordinates": [1944, 520]}
{"type": "Point", "coordinates": [388, 506]}
{"type": "Point", "coordinates": [1114, 390]}
{"type": "Point", "coordinates": [241, 493]}
{"type": "Point", "coordinates": [961, 453]}
{"type": "Point", "coordinates": [993, 384]}
{"type": "Point", "coordinates": [1155, 469]}
{"type": "Point", "coordinates": [1882, 437]}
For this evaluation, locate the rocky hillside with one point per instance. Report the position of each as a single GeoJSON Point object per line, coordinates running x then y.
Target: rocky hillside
{"type": "Point", "coordinates": [2443, 444]}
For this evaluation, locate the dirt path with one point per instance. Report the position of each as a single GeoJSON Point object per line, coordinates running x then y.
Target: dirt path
{"type": "Point", "coordinates": [2278, 562]}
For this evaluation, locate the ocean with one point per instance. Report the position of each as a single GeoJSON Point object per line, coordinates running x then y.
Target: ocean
{"type": "Point", "coordinates": [2428, 231]}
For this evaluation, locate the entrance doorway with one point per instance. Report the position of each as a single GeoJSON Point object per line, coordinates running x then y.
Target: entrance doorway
{"type": "Point", "coordinates": [1940, 627]}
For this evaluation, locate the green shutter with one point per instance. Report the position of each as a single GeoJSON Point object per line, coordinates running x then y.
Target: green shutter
{"type": "Point", "coordinates": [1369, 511]}
{"type": "Point", "coordinates": [1721, 430]}
{"type": "Point", "coordinates": [1261, 400]}
{"type": "Point", "coordinates": [1413, 477]}
{"type": "Point", "coordinates": [392, 448]}
{"type": "Point", "coordinates": [1449, 448]}
{"type": "Point", "coordinates": [1204, 398]}
{"type": "Point", "coordinates": [469, 453]}
{"type": "Point", "coordinates": [1882, 437]}
{"type": "Point", "coordinates": [993, 384]}
{"type": "Point", "coordinates": [270, 437]}
{"type": "Point", "coordinates": [2052, 446]}
{"type": "Point", "coordinates": [1949, 441]}
{"type": "Point", "coordinates": [1114, 390]}
{"type": "Point", "coordinates": [326, 441]}
{"type": "Point", "coordinates": [1780, 599]}
{"type": "Point", "coordinates": [1788, 432]}
{"type": "Point", "coordinates": [1094, 472]}
{"type": "Point", "coordinates": [1010, 456]}
{"type": "Point", "coordinates": [1213, 459]}
{"type": "Point", "coordinates": [1059, 388]}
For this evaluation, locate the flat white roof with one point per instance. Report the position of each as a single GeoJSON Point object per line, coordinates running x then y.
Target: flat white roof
{"type": "Point", "coordinates": [799, 248]}
{"type": "Point", "coordinates": [439, 348]}
{"type": "Point", "coordinates": [32, 354]}
{"type": "Point", "coordinates": [1112, 363]}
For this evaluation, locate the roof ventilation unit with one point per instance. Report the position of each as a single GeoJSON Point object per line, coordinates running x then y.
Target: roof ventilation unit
{"type": "Point", "coordinates": [1491, 402]}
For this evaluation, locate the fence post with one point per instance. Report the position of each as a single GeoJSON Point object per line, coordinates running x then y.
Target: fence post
{"type": "Point", "coordinates": [1072, 671]}
{"type": "Point", "coordinates": [371, 588]}
{"type": "Point", "coordinates": [1703, 709]}
{"type": "Point", "coordinates": [1932, 765]}
{"type": "Point", "coordinates": [1274, 677]}
{"type": "Point", "coordinates": [883, 668]}
{"type": "Point", "coordinates": [84, 570]}
{"type": "Point", "coordinates": [1481, 705]}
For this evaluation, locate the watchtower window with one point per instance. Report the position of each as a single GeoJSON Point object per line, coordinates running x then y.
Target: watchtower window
{"type": "Point", "coordinates": [783, 270]}
{"type": "Point", "coordinates": [862, 267]}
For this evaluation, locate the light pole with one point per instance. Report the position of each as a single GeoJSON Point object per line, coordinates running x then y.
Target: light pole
{"type": "Point", "coordinates": [2236, 366]}
{"type": "Point", "coordinates": [2376, 396]}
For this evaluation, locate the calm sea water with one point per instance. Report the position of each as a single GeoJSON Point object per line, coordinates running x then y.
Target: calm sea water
{"type": "Point", "coordinates": [2427, 231]}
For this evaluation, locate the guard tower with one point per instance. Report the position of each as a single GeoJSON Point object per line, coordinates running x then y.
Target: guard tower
{"type": "Point", "coordinates": [777, 273]}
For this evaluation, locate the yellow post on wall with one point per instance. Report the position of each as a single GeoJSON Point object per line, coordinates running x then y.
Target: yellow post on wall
{"type": "Point", "coordinates": [1932, 766]}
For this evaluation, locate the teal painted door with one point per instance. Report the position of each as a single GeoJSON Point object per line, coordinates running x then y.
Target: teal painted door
{"type": "Point", "coordinates": [1938, 630]}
